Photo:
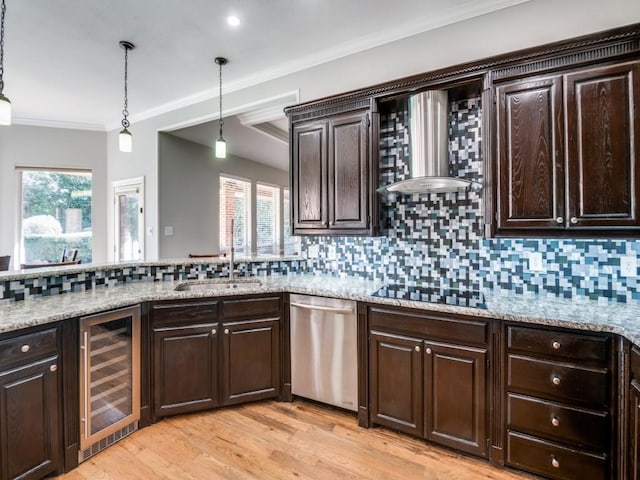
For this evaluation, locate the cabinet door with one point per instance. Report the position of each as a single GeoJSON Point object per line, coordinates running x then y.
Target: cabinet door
{"type": "Point", "coordinates": [530, 154]}
{"type": "Point", "coordinates": [603, 144]}
{"type": "Point", "coordinates": [349, 172]}
{"type": "Point", "coordinates": [251, 360]}
{"type": "Point", "coordinates": [455, 396]}
{"type": "Point", "coordinates": [634, 431]}
{"type": "Point", "coordinates": [309, 176]}
{"type": "Point", "coordinates": [395, 382]}
{"type": "Point", "coordinates": [185, 369]}
{"type": "Point", "coordinates": [29, 420]}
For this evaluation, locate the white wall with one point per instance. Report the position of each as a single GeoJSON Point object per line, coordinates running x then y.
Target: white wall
{"type": "Point", "coordinates": [51, 147]}
{"type": "Point", "coordinates": [189, 193]}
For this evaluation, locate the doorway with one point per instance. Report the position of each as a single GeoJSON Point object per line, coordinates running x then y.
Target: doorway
{"type": "Point", "coordinates": [128, 228]}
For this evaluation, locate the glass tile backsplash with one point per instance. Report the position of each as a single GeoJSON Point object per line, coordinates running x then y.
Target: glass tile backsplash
{"type": "Point", "coordinates": [437, 238]}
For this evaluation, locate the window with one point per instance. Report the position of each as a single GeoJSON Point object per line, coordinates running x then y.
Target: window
{"type": "Point", "coordinates": [267, 219]}
{"type": "Point", "coordinates": [291, 243]}
{"type": "Point", "coordinates": [55, 213]}
{"type": "Point", "coordinates": [235, 205]}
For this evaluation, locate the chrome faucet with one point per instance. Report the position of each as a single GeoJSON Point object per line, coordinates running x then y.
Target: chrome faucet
{"type": "Point", "coordinates": [231, 257]}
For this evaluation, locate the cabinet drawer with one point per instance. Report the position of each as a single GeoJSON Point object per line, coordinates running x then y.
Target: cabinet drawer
{"type": "Point", "coordinates": [27, 347]}
{"type": "Point", "coordinates": [552, 460]}
{"type": "Point", "coordinates": [190, 313]}
{"type": "Point", "coordinates": [251, 308]}
{"type": "Point", "coordinates": [430, 325]}
{"type": "Point", "coordinates": [556, 380]}
{"type": "Point", "coordinates": [582, 428]}
{"type": "Point", "coordinates": [559, 344]}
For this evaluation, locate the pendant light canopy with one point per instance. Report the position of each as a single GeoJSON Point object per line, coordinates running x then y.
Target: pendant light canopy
{"type": "Point", "coordinates": [125, 139]}
{"type": "Point", "coordinates": [221, 145]}
{"type": "Point", "coordinates": [5, 104]}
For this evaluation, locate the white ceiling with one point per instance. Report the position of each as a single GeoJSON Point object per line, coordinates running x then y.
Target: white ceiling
{"type": "Point", "coordinates": [64, 67]}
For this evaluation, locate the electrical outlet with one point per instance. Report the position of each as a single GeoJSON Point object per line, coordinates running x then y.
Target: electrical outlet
{"type": "Point", "coordinates": [535, 261]}
{"type": "Point", "coordinates": [313, 251]}
{"type": "Point", "coordinates": [331, 252]}
{"type": "Point", "coordinates": [628, 266]}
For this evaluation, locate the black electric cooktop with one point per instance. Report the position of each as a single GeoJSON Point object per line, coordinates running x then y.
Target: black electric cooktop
{"type": "Point", "coordinates": [459, 298]}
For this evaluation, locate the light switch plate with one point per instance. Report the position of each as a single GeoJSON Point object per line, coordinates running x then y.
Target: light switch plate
{"type": "Point", "coordinates": [535, 262]}
{"type": "Point", "coordinates": [331, 252]}
{"type": "Point", "coordinates": [313, 251]}
{"type": "Point", "coordinates": [628, 266]}
{"type": "Point", "coordinates": [168, 231]}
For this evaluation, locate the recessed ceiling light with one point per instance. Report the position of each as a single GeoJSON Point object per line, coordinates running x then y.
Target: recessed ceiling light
{"type": "Point", "coordinates": [233, 20]}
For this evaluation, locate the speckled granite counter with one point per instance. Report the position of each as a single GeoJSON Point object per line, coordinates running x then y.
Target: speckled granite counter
{"type": "Point", "coordinates": [619, 318]}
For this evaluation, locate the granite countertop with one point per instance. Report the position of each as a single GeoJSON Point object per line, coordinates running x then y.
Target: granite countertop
{"type": "Point", "coordinates": [584, 314]}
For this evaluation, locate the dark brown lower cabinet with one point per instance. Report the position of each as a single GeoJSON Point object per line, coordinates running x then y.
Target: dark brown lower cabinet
{"type": "Point", "coordinates": [29, 420]}
{"type": "Point", "coordinates": [431, 389]}
{"type": "Point", "coordinates": [395, 382]}
{"type": "Point", "coordinates": [185, 369]}
{"type": "Point", "coordinates": [250, 360]}
{"type": "Point", "coordinates": [455, 391]}
{"type": "Point", "coordinates": [634, 430]}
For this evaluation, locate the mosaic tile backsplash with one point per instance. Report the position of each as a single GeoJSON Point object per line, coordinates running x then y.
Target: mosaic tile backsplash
{"type": "Point", "coordinates": [64, 282]}
{"type": "Point", "coordinates": [437, 238]}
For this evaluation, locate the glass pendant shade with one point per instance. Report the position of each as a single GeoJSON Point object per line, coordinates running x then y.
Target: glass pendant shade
{"type": "Point", "coordinates": [5, 110]}
{"type": "Point", "coordinates": [221, 148]}
{"type": "Point", "coordinates": [125, 141]}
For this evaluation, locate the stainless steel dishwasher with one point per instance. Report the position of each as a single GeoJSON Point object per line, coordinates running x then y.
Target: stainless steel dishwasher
{"type": "Point", "coordinates": [324, 363]}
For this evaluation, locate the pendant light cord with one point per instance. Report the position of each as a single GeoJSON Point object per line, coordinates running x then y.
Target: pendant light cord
{"type": "Point", "coordinates": [125, 112]}
{"type": "Point", "coordinates": [221, 122]}
{"type": "Point", "coordinates": [3, 10]}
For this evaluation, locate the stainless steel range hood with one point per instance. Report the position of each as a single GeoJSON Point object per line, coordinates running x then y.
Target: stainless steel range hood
{"type": "Point", "coordinates": [428, 148]}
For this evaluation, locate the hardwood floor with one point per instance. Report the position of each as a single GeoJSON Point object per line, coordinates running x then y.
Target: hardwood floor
{"type": "Point", "coordinates": [271, 440]}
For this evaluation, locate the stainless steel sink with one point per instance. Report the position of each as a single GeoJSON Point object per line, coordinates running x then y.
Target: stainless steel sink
{"type": "Point", "coordinates": [218, 284]}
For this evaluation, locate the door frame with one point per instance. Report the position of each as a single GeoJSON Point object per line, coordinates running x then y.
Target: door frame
{"type": "Point", "coordinates": [118, 187]}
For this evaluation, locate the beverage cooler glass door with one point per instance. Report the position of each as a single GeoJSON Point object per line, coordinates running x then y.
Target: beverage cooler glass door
{"type": "Point", "coordinates": [109, 373]}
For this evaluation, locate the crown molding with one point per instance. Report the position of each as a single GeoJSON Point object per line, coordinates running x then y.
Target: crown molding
{"type": "Point", "coordinates": [272, 131]}
{"type": "Point", "coordinates": [40, 122]}
{"type": "Point", "coordinates": [367, 42]}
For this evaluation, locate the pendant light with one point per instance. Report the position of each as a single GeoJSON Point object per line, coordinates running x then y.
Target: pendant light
{"type": "Point", "coordinates": [5, 104]}
{"type": "Point", "coordinates": [124, 139]}
{"type": "Point", "coordinates": [221, 145]}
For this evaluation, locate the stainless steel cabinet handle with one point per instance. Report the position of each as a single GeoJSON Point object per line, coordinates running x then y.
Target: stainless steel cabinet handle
{"type": "Point", "coordinates": [226, 331]}
{"type": "Point", "coordinates": [417, 349]}
{"type": "Point", "coordinates": [24, 348]}
{"type": "Point", "coordinates": [53, 367]}
{"type": "Point", "coordinates": [555, 380]}
{"type": "Point", "coordinates": [556, 345]}
{"type": "Point", "coordinates": [428, 351]}
{"type": "Point", "coordinates": [555, 463]}
{"type": "Point", "coordinates": [555, 421]}
{"type": "Point", "coordinates": [559, 219]}
{"type": "Point", "coordinates": [214, 331]}
{"type": "Point", "coordinates": [345, 311]}
{"type": "Point", "coordinates": [574, 220]}
{"type": "Point", "coordinates": [85, 352]}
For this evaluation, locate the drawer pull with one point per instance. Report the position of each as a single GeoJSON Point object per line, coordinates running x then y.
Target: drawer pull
{"type": "Point", "coordinates": [417, 349]}
{"type": "Point", "coordinates": [555, 421]}
{"type": "Point", "coordinates": [53, 367]}
{"type": "Point", "coordinates": [556, 345]}
{"type": "Point", "coordinates": [214, 331]}
{"type": "Point", "coordinates": [25, 348]}
{"type": "Point", "coordinates": [555, 463]}
{"type": "Point", "coordinates": [574, 220]}
{"type": "Point", "coordinates": [555, 380]}
{"type": "Point", "coordinates": [559, 219]}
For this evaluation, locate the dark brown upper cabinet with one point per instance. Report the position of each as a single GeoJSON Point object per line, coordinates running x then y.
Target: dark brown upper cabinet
{"type": "Point", "coordinates": [567, 152]}
{"type": "Point", "coordinates": [334, 165]}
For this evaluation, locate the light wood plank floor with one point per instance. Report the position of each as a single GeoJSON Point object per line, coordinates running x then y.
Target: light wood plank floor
{"type": "Point", "coordinates": [272, 440]}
